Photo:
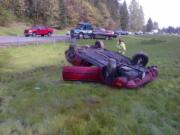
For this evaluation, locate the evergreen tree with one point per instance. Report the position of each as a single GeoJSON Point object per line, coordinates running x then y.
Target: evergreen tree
{"type": "Point", "coordinates": [113, 6]}
{"type": "Point", "coordinates": [149, 26]}
{"type": "Point", "coordinates": [136, 16]}
{"type": "Point", "coordinates": [124, 16]}
{"type": "Point", "coordinates": [155, 25]}
{"type": "Point", "coordinates": [141, 17]}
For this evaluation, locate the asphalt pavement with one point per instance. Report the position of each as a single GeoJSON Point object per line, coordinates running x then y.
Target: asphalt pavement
{"type": "Point", "coordinates": [9, 41]}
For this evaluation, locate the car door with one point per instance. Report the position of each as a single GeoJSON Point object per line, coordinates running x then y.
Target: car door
{"type": "Point", "coordinates": [38, 30]}
{"type": "Point", "coordinates": [44, 30]}
{"type": "Point", "coordinates": [89, 29]}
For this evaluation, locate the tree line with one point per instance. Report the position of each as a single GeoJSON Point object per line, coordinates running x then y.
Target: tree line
{"type": "Point", "coordinates": [66, 13]}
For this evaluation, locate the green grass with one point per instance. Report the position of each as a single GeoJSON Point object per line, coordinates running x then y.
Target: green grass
{"type": "Point", "coordinates": [35, 100]}
{"type": "Point", "coordinates": [62, 32]}
{"type": "Point", "coordinates": [12, 31]}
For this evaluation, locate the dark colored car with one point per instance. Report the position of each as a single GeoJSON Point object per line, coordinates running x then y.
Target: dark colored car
{"type": "Point", "coordinates": [38, 30]}
{"type": "Point", "coordinates": [111, 68]}
{"type": "Point", "coordinates": [103, 33]}
{"type": "Point", "coordinates": [82, 30]}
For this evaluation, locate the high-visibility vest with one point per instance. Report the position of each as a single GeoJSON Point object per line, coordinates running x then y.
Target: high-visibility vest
{"type": "Point", "coordinates": [121, 46]}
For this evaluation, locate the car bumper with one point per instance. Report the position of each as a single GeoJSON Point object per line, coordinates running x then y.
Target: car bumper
{"type": "Point", "coordinates": [28, 34]}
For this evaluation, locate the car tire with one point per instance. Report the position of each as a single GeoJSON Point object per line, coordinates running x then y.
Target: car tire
{"type": "Point", "coordinates": [99, 44]}
{"type": "Point", "coordinates": [81, 36]}
{"type": "Point", "coordinates": [93, 36]}
{"type": "Point", "coordinates": [34, 34]}
{"type": "Point", "coordinates": [107, 38]}
{"type": "Point", "coordinates": [49, 34]}
{"type": "Point", "coordinates": [140, 59]}
{"type": "Point", "coordinates": [72, 36]}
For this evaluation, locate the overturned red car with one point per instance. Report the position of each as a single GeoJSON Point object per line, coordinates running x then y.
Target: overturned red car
{"type": "Point", "coordinates": [96, 64]}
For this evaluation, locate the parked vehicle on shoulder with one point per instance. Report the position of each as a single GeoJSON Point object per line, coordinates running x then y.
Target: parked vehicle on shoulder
{"type": "Point", "coordinates": [121, 32]}
{"type": "Point", "coordinates": [38, 30]}
{"type": "Point", "coordinates": [138, 33]}
{"type": "Point", "coordinates": [82, 30]}
{"type": "Point", "coordinates": [103, 33]}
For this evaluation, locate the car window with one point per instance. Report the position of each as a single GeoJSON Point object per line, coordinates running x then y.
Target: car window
{"type": "Point", "coordinates": [34, 27]}
{"type": "Point", "coordinates": [43, 27]}
{"type": "Point", "coordinates": [86, 27]}
{"type": "Point", "coordinates": [89, 27]}
{"type": "Point", "coordinates": [79, 26]}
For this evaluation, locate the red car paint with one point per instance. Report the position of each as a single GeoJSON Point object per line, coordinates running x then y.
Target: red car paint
{"type": "Point", "coordinates": [38, 30]}
{"type": "Point", "coordinates": [94, 74]}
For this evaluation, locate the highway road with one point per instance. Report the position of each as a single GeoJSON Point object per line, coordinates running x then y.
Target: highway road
{"type": "Point", "coordinates": [10, 41]}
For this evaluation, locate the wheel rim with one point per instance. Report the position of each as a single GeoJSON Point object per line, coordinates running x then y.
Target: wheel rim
{"type": "Point", "coordinates": [34, 34]}
{"type": "Point", "coordinates": [81, 36]}
{"type": "Point", "coordinates": [139, 61]}
{"type": "Point", "coordinates": [49, 34]}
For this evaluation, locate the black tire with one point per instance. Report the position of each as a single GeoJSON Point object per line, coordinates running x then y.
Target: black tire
{"type": "Point", "coordinates": [140, 59]}
{"type": "Point", "coordinates": [49, 34]}
{"type": "Point", "coordinates": [109, 38]}
{"type": "Point", "coordinates": [72, 36]}
{"type": "Point", "coordinates": [81, 36]}
{"type": "Point", "coordinates": [99, 44]}
{"type": "Point", "coordinates": [34, 34]}
{"type": "Point", "coordinates": [93, 36]}
{"type": "Point", "coordinates": [106, 38]}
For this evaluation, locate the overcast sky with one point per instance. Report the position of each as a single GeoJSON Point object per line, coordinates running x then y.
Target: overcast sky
{"type": "Point", "coordinates": [165, 12]}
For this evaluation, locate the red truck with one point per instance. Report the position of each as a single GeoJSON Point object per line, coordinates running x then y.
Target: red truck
{"type": "Point", "coordinates": [38, 30]}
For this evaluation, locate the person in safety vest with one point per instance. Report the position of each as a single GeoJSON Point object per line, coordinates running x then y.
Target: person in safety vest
{"type": "Point", "coordinates": [121, 46]}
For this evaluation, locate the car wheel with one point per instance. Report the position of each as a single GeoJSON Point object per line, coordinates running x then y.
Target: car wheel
{"type": "Point", "coordinates": [99, 44]}
{"type": "Point", "coordinates": [49, 34]}
{"type": "Point", "coordinates": [34, 34]}
{"type": "Point", "coordinates": [93, 36]}
{"type": "Point", "coordinates": [107, 38]}
{"type": "Point", "coordinates": [81, 36]}
{"type": "Point", "coordinates": [140, 59]}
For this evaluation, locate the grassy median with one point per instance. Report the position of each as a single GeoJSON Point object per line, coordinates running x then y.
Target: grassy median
{"type": "Point", "coordinates": [35, 100]}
